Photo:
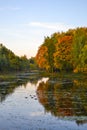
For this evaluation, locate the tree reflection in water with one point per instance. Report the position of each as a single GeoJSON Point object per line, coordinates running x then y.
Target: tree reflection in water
{"type": "Point", "coordinates": [65, 99]}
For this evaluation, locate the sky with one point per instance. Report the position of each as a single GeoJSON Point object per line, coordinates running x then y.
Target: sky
{"type": "Point", "coordinates": [25, 23]}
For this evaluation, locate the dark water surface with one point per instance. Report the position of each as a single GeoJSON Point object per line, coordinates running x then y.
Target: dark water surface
{"type": "Point", "coordinates": [44, 104]}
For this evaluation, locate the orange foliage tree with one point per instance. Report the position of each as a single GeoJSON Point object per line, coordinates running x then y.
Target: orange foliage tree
{"type": "Point", "coordinates": [63, 56]}
{"type": "Point", "coordinates": [41, 57]}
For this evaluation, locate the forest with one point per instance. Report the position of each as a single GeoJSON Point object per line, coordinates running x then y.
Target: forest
{"type": "Point", "coordinates": [11, 62]}
{"type": "Point", "coordinates": [64, 51]}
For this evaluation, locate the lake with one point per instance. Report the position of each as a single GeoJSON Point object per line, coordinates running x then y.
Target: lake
{"type": "Point", "coordinates": [44, 103]}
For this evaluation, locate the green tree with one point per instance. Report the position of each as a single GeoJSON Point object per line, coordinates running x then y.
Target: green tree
{"type": "Point", "coordinates": [83, 59]}
{"type": "Point", "coordinates": [32, 63]}
{"type": "Point", "coordinates": [9, 61]}
{"type": "Point", "coordinates": [79, 40]}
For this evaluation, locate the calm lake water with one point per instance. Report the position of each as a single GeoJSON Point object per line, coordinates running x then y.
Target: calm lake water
{"type": "Point", "coordinates": [44, 104]}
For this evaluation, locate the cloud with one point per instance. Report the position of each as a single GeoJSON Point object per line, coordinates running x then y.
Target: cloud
{"type": "Point", "coordinates": [51, 26]}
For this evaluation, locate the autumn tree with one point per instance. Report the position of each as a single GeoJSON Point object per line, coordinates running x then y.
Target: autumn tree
{"type": "Point", "coordinates": [50, 44]}
{"type": "Point", "coordinates": [62, 56]}
{"type": "Point", "coordinates": [64, 51]}
{"type": "Point", "coordinates": [41, 57]}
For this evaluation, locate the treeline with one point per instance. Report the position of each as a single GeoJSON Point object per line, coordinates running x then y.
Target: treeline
{"type": "Point", "coordinates": [65, 51]}
{"type": "Point", "coordinates": [11, 62]}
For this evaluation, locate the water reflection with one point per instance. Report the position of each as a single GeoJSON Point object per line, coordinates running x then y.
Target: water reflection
{"type": "Point", "coordinates": [7, 88]}
{"type": "Point", "coordinates": [65, 99]}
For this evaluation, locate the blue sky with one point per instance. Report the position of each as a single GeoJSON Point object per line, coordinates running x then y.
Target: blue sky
{"type": "Point", "coordinates": [24, 23]}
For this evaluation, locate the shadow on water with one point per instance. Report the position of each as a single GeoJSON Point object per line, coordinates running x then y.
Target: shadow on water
{"type": "Point", "coordinates": [65, 99]}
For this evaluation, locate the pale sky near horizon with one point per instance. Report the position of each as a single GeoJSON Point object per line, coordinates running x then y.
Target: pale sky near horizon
{"type": "Point", "coordinates": [25, 23]}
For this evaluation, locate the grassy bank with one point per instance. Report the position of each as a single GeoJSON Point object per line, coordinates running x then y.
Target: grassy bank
{"type": "Point", "coordinates": [11, 76]}
{"type": "Point", "coordinates": [20, 76]}
{"type": "Point", "coordinates": [7, 76]}
{"type": "Point", "coordinates": [69, 75]}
